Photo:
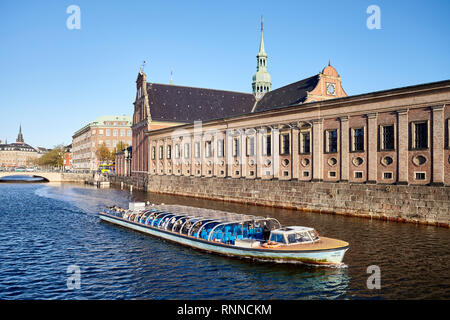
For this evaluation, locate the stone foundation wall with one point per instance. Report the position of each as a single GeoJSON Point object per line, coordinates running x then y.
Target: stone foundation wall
{"type": "Point", "coordinates": [139, 181]}
{"type": "Point", "coordinates": [402, 203]}
{"type": "Point", "coordinates": [75, 177]}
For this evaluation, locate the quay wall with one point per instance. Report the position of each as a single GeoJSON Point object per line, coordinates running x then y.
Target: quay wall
{"type": "Point", "coordinates": [428, 205]}
{"type": "Point", "coordinates": [75, 177]}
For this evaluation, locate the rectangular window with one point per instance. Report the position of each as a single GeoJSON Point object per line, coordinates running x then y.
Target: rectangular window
{"type": "Point", "coordinates": [108, 132]}
{"type": "Point", "coordinates": [387, 175]}
{"type": "Point", "coordinates": [358, 174]}
{"type": "Point", "coordinates": [358, 139]}
{"type": "Point", "coordinates": [332, 174]}
{"type": "Point", "coordinates": [208, 149]}
{"type": "Point", "coordinates": [267, 145]}
{"type": "Point", "coordinates": [115, 132]}
{"type": "Point", "coordinates": [129, 133]}
{"type": "Point", "coordinates": [235, 147]}
{"type": "Point", "coordinates": [161, 152]}
{"type": "Point", "coordinates": [100, 132]}
{"type": "Point", "coordinates": [197, 149]}
{"type": "Point", "coordinates": [169, 151]}
{"type": "Point", "coordinates": [153, 153]}
{"type": "Point", "coordinates": [220, 148]}
{"type": "Point", "coordinates": [387, 137]}
{"type": "Point", "coordinates": [305, 142]}
{"type": "Point", "coordinates": [177, 151]}
{"type": "Point", "coordinates": [331, 141]}
{"type": "Point", "coordinates": [250, 146]}
{"type": "Point", "coordinates": [285, 144]}
{"type": "Point", "coordinates": [306, 173]}
{"type": "Point", "coordinates": [419, 135]}
{"type": "Point", "coordinates": [448, 133]}
{"type": "Point", "coordinates": [187, 150]}
{"type": "Point", "coordinates": [419, 175]}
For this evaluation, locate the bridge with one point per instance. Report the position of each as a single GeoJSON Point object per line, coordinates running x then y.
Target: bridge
{"type": "Point", "coordinates": [51, 176]}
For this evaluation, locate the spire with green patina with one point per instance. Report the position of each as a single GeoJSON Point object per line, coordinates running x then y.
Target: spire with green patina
{"type": "Point", "coordinates": [261, 80]}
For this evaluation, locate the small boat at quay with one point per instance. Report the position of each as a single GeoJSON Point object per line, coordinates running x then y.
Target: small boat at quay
{"type": "Point", "coordinates": [231, 234]}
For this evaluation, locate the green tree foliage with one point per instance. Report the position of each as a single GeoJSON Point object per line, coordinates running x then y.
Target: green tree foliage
{"type": "Point", "coordinates": [104, 155]}
{"type": "Point", "coordinates": [120, 146]}
{"type": "Point", "coordinates": [53, 158]}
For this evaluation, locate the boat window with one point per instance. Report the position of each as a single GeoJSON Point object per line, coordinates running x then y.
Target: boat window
{"type": "Point", "coordinates": [277, 237]}
{"type": "Point", "coordinates": [178, 224]}
{"type": "Point", "coordinates": [298, 237]}
{"type": "Point", "coordinates": [171, 223]}
{"type": "Point", "coordinates": [314, 235]}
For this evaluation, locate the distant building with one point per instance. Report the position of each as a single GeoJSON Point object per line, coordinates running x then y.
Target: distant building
{"type": "Point", "coordinates": [67, 161]}
{"type": "Point", "coordinates": [109, 130]}
{"type": "Point", "coordinates": [18, 154]}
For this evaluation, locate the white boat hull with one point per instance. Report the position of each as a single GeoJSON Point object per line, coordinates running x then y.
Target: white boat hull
{"type": "Point", "coordinates": [315, 257]}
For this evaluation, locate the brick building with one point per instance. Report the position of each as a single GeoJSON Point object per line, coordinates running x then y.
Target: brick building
{"type": "Point", "coordinates": [109, 130]}
{"type": "Point", "coordinates": [309, 130]}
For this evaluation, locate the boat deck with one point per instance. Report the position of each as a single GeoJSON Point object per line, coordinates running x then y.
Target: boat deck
{"type": "Point", "coordinates": [323, 244]}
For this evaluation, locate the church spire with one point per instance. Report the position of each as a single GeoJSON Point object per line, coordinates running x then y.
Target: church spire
{"type": "Point", "coordinates": [261, 80]}
{"type": "Point", "coordinates": [261, 44]}
{"type": "Point", "coordinates": [20, 136]}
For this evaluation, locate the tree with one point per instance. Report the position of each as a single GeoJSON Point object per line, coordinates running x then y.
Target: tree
{"type": "Point", "coordinates": [53, 158]}
{"type": "Point", "coordinates": [119, 147]}
{"type": "Point", "coordinates": [103, 154]}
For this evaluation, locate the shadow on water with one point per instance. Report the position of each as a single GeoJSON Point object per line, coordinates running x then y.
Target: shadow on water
{"type": "Point", "coordinates": [23, 179]}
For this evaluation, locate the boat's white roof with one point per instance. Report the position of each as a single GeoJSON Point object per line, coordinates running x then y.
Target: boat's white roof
{"type": "Point", "coordinates": [292, 229]}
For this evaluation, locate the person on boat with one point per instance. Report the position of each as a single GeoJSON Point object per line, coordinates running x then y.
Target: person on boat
{"type": "Point", "coordinates": [266, 230]}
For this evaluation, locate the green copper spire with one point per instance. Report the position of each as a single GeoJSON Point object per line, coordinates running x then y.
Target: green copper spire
{"type": "Point", "coordinates": [261, 80]}
{"type": "Point", "coordinates": [261, 45]}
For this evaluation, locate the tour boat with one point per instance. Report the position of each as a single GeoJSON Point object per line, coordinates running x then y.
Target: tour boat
{"type": "Point", "coordinates": [231, 234]}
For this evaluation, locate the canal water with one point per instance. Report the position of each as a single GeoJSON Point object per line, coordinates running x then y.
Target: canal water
{"type": "Point", "coordinates": [47, 230]}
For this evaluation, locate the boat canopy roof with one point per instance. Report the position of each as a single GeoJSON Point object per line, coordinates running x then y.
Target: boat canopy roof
{"type": "Point", "coordinates": [293, 229]}
{"type": "Point", "coordinates": [203, 213]}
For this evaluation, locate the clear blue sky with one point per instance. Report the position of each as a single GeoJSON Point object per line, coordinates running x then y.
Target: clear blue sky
{"type": "Point", "coordinates": [54, 80]}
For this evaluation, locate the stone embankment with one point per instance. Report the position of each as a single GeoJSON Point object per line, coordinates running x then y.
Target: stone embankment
{"type": "Point", "coordinates": [428, 205]}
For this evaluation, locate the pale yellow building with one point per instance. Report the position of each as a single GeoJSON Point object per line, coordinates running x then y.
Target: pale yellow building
{"type": "Point", "coordinates": [18, 154]}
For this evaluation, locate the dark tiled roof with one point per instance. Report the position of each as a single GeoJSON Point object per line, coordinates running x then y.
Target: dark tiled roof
{"type": "Point", "coordinates": [291, 94]}
{"type": "Point", "coordinates": [17, 147]}
{"type": "Point", "coordinates": [187, 104]}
